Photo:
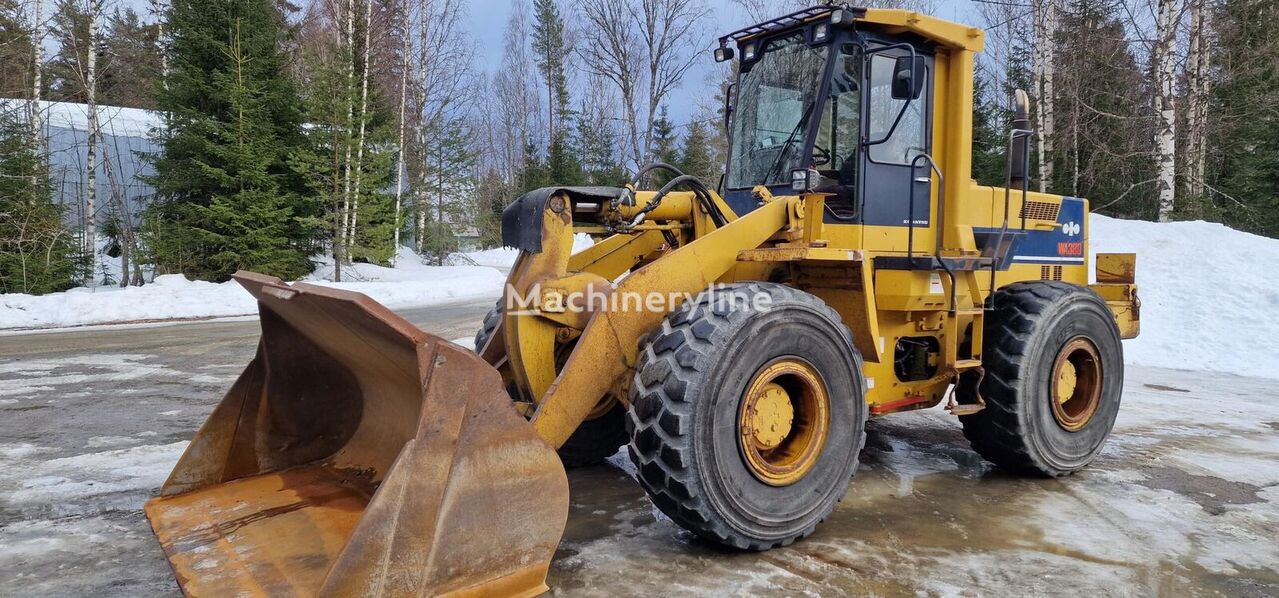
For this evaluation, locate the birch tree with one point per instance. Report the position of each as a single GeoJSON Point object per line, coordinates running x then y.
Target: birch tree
{"type": "Point", "coordinates": [406, 50]}
{"type": "Point", "coordinates": [443, 59]}
{"type": "Point", "coordinates": [516, 97]}
{"type": "Point", "coordinates": [1198, 90]}
{"type": "Point", "coordinates": [344, 231]}
{"type": "Point", "coordinates": [38, 29]}
{"type": "Point", "coordinates": [91, 113]}
{"type": "Point", "coordinates": [365, 65]}
{"type": "Point", "coordinates": [1164, 61]}
{"type": "Point", "coordinates": [1045, 23]}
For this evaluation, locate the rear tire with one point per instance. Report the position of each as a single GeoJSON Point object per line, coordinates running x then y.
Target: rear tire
{"type": "Point", "coordinates": [1039, 420]}
{"type": "Point", "coordinates": [694, 381]}
{"type": "Point", "coordinates": [595, 439]}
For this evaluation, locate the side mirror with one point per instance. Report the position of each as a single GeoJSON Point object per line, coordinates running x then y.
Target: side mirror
{"type": "Point", "coordinates": [908, 78]}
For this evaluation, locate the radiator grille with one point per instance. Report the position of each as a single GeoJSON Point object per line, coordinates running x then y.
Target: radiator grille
{"type": "Point", "coordinates": [1040, 210]}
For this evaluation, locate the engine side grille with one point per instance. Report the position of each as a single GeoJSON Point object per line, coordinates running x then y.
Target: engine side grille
{"type": "Point", "coordinates": [1040, 210]}
{"type": "Point", "coordinates": [1050, 273]}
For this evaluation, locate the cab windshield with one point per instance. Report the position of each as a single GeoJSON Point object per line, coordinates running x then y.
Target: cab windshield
{"type": "Point", "coordinates": [775, 103]}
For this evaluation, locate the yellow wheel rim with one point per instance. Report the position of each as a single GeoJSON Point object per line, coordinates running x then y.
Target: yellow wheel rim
{"type": "Point", "coordinates": [783, 421]}
{"type": "Point", "coordinates": [1076, 384]}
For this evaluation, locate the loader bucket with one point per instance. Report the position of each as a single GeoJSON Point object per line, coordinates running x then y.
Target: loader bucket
{"type": "Point", "coordinates": [358, 455]}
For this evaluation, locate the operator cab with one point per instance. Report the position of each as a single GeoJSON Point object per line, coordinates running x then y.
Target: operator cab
{"type": "Point", "coordinates": [820, 105]}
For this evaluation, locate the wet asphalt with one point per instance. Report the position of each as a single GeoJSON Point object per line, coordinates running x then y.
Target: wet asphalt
{"type": "Point", "coordinates": [1184, 501]}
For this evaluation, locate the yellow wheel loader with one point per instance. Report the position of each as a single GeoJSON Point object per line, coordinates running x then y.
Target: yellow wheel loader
{"type": "Point", "coordinates": [734, 339]}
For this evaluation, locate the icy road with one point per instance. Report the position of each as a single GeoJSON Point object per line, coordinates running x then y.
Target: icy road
{"type": "Point", "coordinates": [1184, 501]}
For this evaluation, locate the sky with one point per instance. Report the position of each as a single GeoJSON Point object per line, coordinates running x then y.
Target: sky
{"type": "Point", "coordinates": [486, 24]}
{"type": "Point", "coordinates": [488, 18]}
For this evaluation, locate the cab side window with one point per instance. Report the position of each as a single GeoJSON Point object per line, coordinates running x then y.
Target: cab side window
{"type": "Point", "coordinates": [911, 136]}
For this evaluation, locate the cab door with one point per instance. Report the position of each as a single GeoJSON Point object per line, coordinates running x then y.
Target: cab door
{"type": "Point", "coordinates": [888, 152]}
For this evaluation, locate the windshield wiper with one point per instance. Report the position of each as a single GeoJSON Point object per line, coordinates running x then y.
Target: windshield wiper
{"type": "Point", "coordinates": [803, 120]}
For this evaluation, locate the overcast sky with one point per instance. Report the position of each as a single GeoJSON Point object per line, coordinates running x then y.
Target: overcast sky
{"type": "Point", "coordinates": [488, 25]}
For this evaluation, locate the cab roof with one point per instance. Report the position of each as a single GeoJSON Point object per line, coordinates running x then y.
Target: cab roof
{"type": "Point", "coordinates": [945, 33]}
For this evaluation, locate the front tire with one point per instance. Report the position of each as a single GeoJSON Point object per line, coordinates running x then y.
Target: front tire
{"type": "Point", "coordinates": [1054, 377]}
{"type": "Point", "coordinates": [747, 421]}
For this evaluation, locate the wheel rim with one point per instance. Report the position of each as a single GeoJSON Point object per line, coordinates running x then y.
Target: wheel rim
{"type": "Point", "coordinates": [783, 421]}
{"type": "Point", "coordinates": [1076, 384]}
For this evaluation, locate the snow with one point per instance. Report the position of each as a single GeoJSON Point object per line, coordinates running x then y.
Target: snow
{"type": "Point", "coordinates": [1208, 294]}
{"type": "Point", "coordinates": [1205, 294]}
{"type": "Point", "coordinates": [80, 483]}
{"type": "Point", "coordinates": [504, 257]}
{"type": "Point", "coordinates": [169, 297]}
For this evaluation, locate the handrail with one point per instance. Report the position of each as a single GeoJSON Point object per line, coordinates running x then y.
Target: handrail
{"type": "Point", "coordinates": [941, 220]}
{"type": "Point", "coordinates": [941, 204]}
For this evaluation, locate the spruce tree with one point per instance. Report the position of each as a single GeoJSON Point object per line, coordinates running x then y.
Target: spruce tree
{"type": "Point", "coordinates": [449, 164]}
{"type": "Point", "coordinates": [695, 157]}
{"type": "Point", "coordinates": [665, 148]}
{"type": "Point", "coordinates": [37, 252]}
{"type": "Point", "coordinates": [533, 174]}
{"type": "Point", "coordinates": [15, 52]}
{"type": "Point", "coordinates": [1102, 136]}
{"type": "Point", "coordinates": [598, 148]}
{"type": "Point", "coordinates": [989, 144]}
{"type": "Point", "coordinates": [67, 69]}
{"type": "Point", "coordinates": [1244, 138]}
{"type": "Point", "coordinates": [230, 191]}
{"type": "Point", "coordinates": [135, 59]}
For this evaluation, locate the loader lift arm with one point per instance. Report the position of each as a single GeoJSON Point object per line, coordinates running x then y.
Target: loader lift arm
{"type": "Point", "coordinates": [606, 349]}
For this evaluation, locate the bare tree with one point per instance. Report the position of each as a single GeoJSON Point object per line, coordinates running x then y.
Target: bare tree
{"type": "Point", "coordinates": [1044, 75]}
{"type": "Point", "coordinates": [673, 41]}
{"type": "Point", "coordinates": [760, 10]}
{"type": "Point", "coordinates": [650, 59]}
{"type": "Point", "coordinates": [443, 58]}
{"type": "Point", "coordinates": [1165, 106]}
{"type": "Point", "coordinates": [612, 51]}
{"type": "Point", "coordinates": [406, 50]}
{"type": "Point", "coordinates": [518, 101]}
{"type": "Point", "coordinates": [344, 218]}
{"type": "Point", "coordinates": [365, 66]}
{"type": "Point", "coordinates": [1197, 79]}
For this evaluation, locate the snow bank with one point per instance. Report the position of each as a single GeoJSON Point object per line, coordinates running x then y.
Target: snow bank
{"type": "Point", "coordinates": [1208, 295]}
{"type": "Point", "coordinates": [504, 257]}
{"type": "Point", "coordinates": [410, 284]}
{"type": "Point", "coordinates": [168, 297]}
{"type": "Point", "coordinates": [1206, 291]}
